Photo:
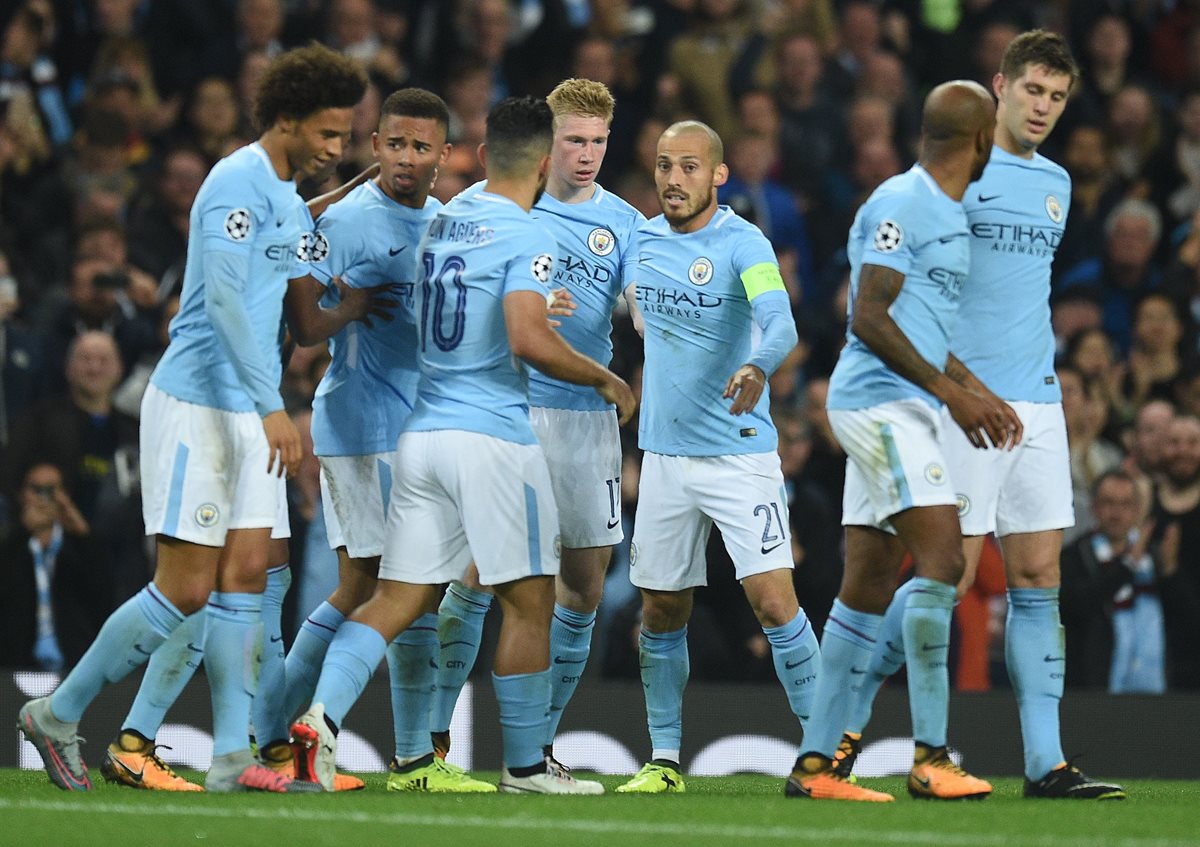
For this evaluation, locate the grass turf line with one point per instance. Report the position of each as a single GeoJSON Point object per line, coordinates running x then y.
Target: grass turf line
{"type": "Point", "coordinates": [743, 810]}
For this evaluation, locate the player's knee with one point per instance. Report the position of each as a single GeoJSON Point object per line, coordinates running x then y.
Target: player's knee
{"type": "Point", "coordinates": [775, 610]}
{"type": "Point", "coordinates": [664, 611]}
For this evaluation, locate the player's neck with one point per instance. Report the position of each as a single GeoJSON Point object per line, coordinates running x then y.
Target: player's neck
{"type": "Point", "coordinates": [276, 147]}
{"type": "Point", "coordinates": [1007, 142]}
{"type": "Point", "coordinates": [564, 192]}
{"type": "Point", "coordinates": [950, 175]}
{"type": "Point", "coordinates": [521, 191]}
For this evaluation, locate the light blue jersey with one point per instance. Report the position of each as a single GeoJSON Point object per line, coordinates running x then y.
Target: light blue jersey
{"type": "Point", "coordinates": [480, 248]}
{"type": "Point", "coordinates": [910, 225]}
{"type": "Point", "coordinates": [694, 290]}
{"type": "Point", "coordinates": [370, 387]}
{"type": "Point", "coordinates": [246, 213]}
{"type": "Point", "coordinates": [595, 262]}
{"type": "Point", "coordinates": [1016, 212]}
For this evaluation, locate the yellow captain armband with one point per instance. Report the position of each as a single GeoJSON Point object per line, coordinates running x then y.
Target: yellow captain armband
{"type": "Point", "coordinates": [761, 278]}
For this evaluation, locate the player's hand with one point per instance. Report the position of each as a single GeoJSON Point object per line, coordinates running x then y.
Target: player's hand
{"type": "Point", "coordinates": [363, 304]}
{"type": "Point", "coordinates": [283, 442]}
{"type": "Point", "coordinates": [985, 419]}
{"type": "Point", "coordinates": [559, 303]}
{"type": "Point", "coordinates": [617, 391]}
{"type": "Point", "coordinates": [745, 387]}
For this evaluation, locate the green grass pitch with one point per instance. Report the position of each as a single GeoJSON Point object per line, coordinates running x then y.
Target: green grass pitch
{"type": "Point", "coordinates": [735, 810]}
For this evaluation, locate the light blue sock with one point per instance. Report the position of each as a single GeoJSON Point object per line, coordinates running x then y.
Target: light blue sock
{"type": "Point", "coordinates": [570, 645]}
{"type": "Point", "coordinates": [353, 656]}
{"type": "Point", "coordinates": [460, 629]}
{"type": "Point", "coordinates": [524, 701]}
{"type": "Point", "coordinates": [797, 657]}
{"type": "Point", "coordinates": [846, 650]}
{"type": "Point", "coordinates": [302, 667]}
{"type": "Point", "coordinates": [886, 659]}
{"type": "Point", "coordinates": [231, 651]}
{"type": "Point", "coordinates": [412, 668]}
{"type": "Point", "coordinates": [1035, 650]}
{"type": "Point", "coordinates": [170, 669]}
{"type": "Point", "coordinates": [267, 711]}
{"type": "Point", "coordinates": [927, 650]}
{"type": "Point", "coordinates": [663, 658]}
{"type": "Point", "coordinates": [126, 641]}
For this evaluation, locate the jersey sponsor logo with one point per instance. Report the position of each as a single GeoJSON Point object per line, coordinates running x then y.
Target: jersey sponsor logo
{"type": "Point", "coordinates": [676, 303]}
{"type": "Point", "coordinates": [541, 266]}
{"type": "Point", "coordinates": [1023, 239]}
{"type": "Point", "coordinates": [237, 224]}
{"type": "Point", "coordinates": [601, 241]}
{"type": "Point", "coordinates": [889, 235]}
{"type": "Point", "coordinates": [582, 273]}
{"type": "Point", "coordinates": [207, 514]}
{"type": "Point", "coordinates": [934, 474]}
{"type": "Point", "coordinates": [701, 271]}
{"type": "Point", "coordinates": [1054, 208]}
{"type": "Point", "coordinates": [951, 282]}
{"type": "Point", "coordinates": [314, 247]}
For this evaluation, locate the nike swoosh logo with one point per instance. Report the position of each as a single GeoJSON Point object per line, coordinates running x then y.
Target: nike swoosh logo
{"type": "Point", "coordinates": [928, 646]}
{"type": "Point", "coordinates": [280, 221]}
{"type": "Point", "coordinates": [433, 664]}
{"type": "Point", "coordinates": [766, 550]}
{"type": "Point", "coordinates": [612, 524]}
{"type": "Point", "coordinates": [893, 647]}
{"type": "Point", "coordinates": [395, 251]}
{"type": "Point", "coordinates": [136, 776]}
{"type": "Point", "coordinates": [141, 649]}
{"type": "Point", "coordinates": [642, 259]}
{"type": "Point", "coordinates": [275, 640]}
{"type": "Point", "coordinates": [983, 199]}
{"type": "Point", "coordinates": [922, 781]}
{"type": "Point", "coordinates": [559, 660]}
{"type": "Point", "coordinates": [452, 643]}
{"type": "Point", "coordinates": [790, 665]}
{"type": "Point", "coordinates": [858, 670]}
{"type": "Point", "coordinates": [947, 239]}
{"type": "Point", "coordinates": [194, 648]}
{"type": "Point", "coordinates": [1054, 659]}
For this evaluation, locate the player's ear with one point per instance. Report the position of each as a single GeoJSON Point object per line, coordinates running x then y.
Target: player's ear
{"type": "Point", "coordinates": [999, 83]}
{"type": "Point", "coordinates": [445, 157]}
{"type": "Point", "coordinates": [720, 175]}
{"type": "Point", "coordinates": [286, 125]}
{"type": "Point", "coordinates": [375, 144]}
{"type": "Point", "coordinates": [481, 153]}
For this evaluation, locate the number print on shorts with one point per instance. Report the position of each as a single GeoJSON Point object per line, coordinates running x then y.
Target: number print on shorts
{"type": "Point", "coordinates": [769, 539]}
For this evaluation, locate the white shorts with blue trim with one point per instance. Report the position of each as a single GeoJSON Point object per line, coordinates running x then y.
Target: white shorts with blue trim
{"type": "Point", "coordinates": [464, 496]}
{"type": "Point", "coordinates": [679, 499]}
{"type": "Point", "coordinates": [894, 461]}
{"type": "Point", "coordinates": [354, 497]}
{"type": "Point", "coordinates": [204, 472]}
{"type": "Point", "coordinates": [583, 452]}
{"type": "Point", "coordinates": [1026, 489]}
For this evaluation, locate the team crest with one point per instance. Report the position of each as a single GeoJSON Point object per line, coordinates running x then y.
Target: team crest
{"type": "Point", "coordinates": [601, 241]}
{"type": "Point", "coordinates": [633, 554]}
{"type": "Point", "coordinates": [1054, 209]}
{"type": "Point", "coordinates": [541, 266]}
{"type": "Point", "coordinates": [964, 505]}
{"type": "Point", "coordinates": [934, 474]}
{"type": "Point", "coordinates": [237, 224]}
{"type": "Point", "coordinates": [314, 247]}
{"type": "Point", "coordinates": [889, 235]}
{"type": "Point", "coordinates": [701, 271]}
{"type": "Point", "coordinates": [207, 514]}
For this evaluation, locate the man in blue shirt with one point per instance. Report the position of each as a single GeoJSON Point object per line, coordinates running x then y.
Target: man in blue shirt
{"type": "Point", "coordinates": [909, 258]}
{"type": "Point", "coordinates": [594, 233]}
{"type": "Point", "coordinates": [216, 441]}
{"type": "Point", "coordinates": [707, 280]}
{"type": "Point", "coordinates": [1016, 213]}
{"type": "Point", "coordinates": [475, 483]}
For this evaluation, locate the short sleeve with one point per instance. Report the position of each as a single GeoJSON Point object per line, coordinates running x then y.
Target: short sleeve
{"type": "Point", "coordinates": [532, 265]}
{"type": "Point", "coordinates": [889, 225]}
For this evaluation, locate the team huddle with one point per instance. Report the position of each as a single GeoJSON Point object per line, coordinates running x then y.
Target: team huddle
{"type": "Point", "coordinates": [467, 430]}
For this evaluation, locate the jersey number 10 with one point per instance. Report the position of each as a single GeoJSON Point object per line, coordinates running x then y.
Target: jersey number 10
{"type": "Point", "coordinates": [434, 325]}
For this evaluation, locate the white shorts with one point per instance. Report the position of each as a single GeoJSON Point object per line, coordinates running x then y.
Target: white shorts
{"type": "Point", "coordinates": [1027, 489]}
{"type": "Point", "coordinates": [465, 495]}
{"type": "Point", "coordinates": [583, 452]}
{"type": "Point", "coordinates": [204, 471]}
{"type": "Point", "coordinates": [354, 498]}
{"type": "Point", "coordinates": [679, 499]}
{"type": "Point", "coordinates": [894, 461]}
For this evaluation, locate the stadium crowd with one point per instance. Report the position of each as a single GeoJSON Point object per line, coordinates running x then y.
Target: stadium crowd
{"type": "Point", "coordinates": [113, 111]}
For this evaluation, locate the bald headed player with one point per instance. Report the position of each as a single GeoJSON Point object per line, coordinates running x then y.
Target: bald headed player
{"type": "Point", "coordinates": [909, 256]}
{"type": "Point", "coordinates": [705, 279]}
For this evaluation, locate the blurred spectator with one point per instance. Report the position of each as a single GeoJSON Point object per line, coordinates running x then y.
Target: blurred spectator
{"type": "Point", "coordinates": [27, 71]}
{"type": "Point", "coordinates": [1075, 310]}
{"type": "Point", "coordinates": [1095, 191]}
{"type": "Point", "coordinates": [1111, 612]}
{"type": "Point", "coordinates": [1174, 45]}
{"type": "Point", "coordinates": [1154, 361]}
{"type": "Point", "coordinates": [860, 36]}
{"type": "Point", "coordinates": [212, 119]}
{"type": "Point", "coordinates": [160, 214]}
{"type": "Point", "coordinates": [1135, 132]}
{"type": "Point", "coordinates": [1176, 514]}
{"type": "Point", "coordinates": [1091, 455]}
{"type": "Point", "coordinates": [1126, 271]}
{"type": "Point", "coordinates": [976, 623]}
{"type": "Point", "coordinates": [811, 17]}
{"type": "Point", "coordinates": [707, 56]}
{"type": "Point", "coordinates": [1106, 65]}
{"type": "Point", "coordinates": [1093, 354]}
{"type": "Point", "coordinates": [1182, 278]}
{"type": "Point", "coordinates": [21, 359]}
{"type": "Point", "coordinates": [886, 78]}
{"type": "Point", "coordinates": [1147, 450]}
{"type": "Point", "coordinates": [58, 588]}
{"type": "Point", "coordinates": [257, 28]}
{"type": "Point", "coordinates": [127, 398]}
{"type": "Point", "coordinates": [988, 49]}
